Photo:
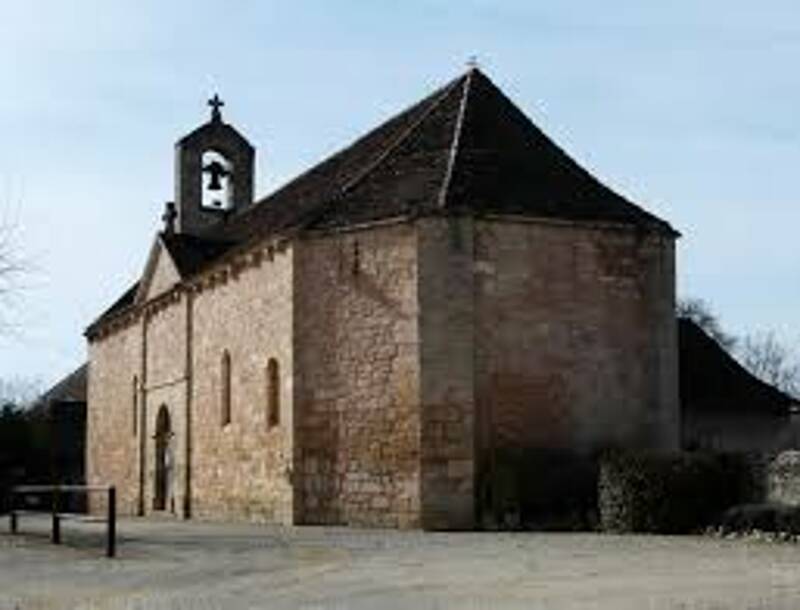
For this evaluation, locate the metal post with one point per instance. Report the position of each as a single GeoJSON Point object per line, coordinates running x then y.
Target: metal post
{"type": "Point", "coordinates": [12, 515]}
{"type": "Point", "coordinates": [111, 543]}
{"type": "Point", "coordinates": [56, 518]}
{"type": "Point", "coordinates": [56, 529]}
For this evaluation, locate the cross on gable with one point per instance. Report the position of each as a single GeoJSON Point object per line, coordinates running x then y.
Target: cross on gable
{"type": "Point", "coordinates": [216, 104]}
{"type": "Point", "coordinates": [169, 217]}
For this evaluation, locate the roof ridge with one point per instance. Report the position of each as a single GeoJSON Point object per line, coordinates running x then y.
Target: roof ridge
{"type": "Point", "coordinates": [400, 139]}
{"type": "Point", "coordinates": [385, 154]}
{"type": "Point", "coordinates": [451, 161]}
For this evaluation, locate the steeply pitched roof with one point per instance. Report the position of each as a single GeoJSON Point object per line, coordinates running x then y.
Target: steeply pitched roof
{"type": "Point", "coordinates": [465, 148]}
{"type": "Point", "coordinates": [711, 381]}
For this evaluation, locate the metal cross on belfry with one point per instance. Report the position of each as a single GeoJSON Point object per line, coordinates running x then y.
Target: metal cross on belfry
{"type": "Point", "coordinates": [216, 104]}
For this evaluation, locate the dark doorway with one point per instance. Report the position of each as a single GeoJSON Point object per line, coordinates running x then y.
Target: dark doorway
{"type": "Point", "coordinates": [164, 461]}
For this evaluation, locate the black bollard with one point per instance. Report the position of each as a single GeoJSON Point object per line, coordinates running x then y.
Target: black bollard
{"type": "Point", "coordinates": [56, 518]}
{"type": "Point", "coordinates": [111, 543]}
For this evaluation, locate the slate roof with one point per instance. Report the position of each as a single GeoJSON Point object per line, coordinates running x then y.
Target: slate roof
{"type": "Point", "coordinates": [712, 381]}
{"type": "Point", "coordinates": [464, 149]}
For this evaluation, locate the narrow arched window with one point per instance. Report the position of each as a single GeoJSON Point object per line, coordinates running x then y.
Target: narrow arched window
{"type": "Point", "coordinates": [135, 406]}
{"type": "Point", "coordinates": [273, 394]}
{"type": "Point", "coordinates": [225, 389]}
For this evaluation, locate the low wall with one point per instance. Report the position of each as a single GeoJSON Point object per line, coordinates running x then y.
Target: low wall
{"type": "Point", "coordinates": [783, 479]}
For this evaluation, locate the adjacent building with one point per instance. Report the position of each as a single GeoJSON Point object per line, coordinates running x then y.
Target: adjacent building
{"type": "Point", "coordinates": [726, 408]}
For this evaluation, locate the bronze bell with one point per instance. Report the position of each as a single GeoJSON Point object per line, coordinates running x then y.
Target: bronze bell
{"type": "Point", "coordinates": [217, 171]}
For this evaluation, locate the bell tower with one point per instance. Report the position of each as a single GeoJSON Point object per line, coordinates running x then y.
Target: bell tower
{"type": "Point", "coordinates": [213, 174]}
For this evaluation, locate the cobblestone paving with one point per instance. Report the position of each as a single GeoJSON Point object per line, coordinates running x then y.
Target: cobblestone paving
{"type": "Point", "coordinates": [170, 564]}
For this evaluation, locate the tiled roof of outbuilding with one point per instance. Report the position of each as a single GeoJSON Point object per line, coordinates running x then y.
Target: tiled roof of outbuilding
{"type": "Point", "coordinates": [711, 380]}
{"type": "Point", "coordinates": [71, 388]}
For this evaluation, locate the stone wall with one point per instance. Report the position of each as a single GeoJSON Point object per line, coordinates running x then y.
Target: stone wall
{"type": "Point", "coordinates": [407, 354]}
{"type": "Point", "coordinates": [538, 335]}
{"type": "Point", "coordinates": [111, 438]}
{"type": "Point", "coordinates": [577, 343]}
{"type": "Point", "coordinates": [447, 365]}
{"type": "Point", "coordinates": [783, 478]}
{"type": "Point", "coordinates": [240, 470]}
{"type": "Point", "coordinates": [163, 275]}
{"type": "Point", "coordinates": [165, 385]}
{"type": "Point", "coordinates": [243, 469]}
{"type": "Point", "coordinates": [357, 378]}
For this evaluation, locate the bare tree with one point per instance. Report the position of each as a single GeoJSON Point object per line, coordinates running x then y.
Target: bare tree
{"type": "Point", "coordinates": [770, 360]}
{"type": "Point", "coordinates": [19, 391]}
{"type": "Point", "coordinates": [763, 354]}
{"type": "Point", "coordinates": [701, 313]}
{"type": "Point", "coordinates": [13, 268]}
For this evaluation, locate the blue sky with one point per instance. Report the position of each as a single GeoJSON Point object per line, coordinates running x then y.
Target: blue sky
{"type": "Point", "coordinates": [688, 108]}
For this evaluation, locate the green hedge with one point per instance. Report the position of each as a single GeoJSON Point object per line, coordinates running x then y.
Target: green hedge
{"type": "Point", "coordinates": [671, 494]}
{"type": "Point", "coordinates": [615, 491]}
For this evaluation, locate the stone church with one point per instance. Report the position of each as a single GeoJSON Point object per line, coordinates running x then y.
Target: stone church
{"type": "Point", "coordinates": [354, 347]}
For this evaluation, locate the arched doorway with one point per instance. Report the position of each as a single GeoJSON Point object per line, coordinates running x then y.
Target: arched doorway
{"type": "Point", "coordinates": [164, 460]}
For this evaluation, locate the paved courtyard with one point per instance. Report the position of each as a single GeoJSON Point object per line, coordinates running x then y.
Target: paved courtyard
{"type": "Point", "coordinates": [171, 564]}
